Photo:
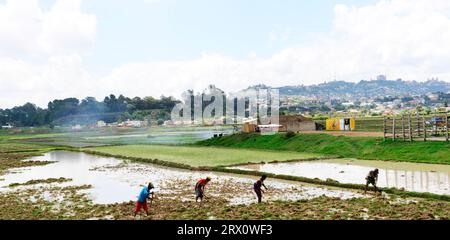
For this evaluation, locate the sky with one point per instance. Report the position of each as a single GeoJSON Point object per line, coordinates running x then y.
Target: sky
{"type": "Point", "coordinates": [54, 49]}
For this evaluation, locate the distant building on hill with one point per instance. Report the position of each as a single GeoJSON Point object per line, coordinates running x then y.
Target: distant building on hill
{"type": "Point", "coordinates": [381, 78]}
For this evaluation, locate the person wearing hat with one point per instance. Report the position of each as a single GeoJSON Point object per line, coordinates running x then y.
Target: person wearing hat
{"type": "Point", "coordinates": [200, 188]}
{"type": "Point", "coordinates": [145, 194]}
{"type": "Point", "coordinates": [372, 178]}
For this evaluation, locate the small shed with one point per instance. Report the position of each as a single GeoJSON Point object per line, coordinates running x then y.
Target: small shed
{"type": "Point", "coordinates": [296, 123]}
{"type": "Point", "coordinates": [341, 124]}
{"type": "Point", "coordinates": [250, 126]}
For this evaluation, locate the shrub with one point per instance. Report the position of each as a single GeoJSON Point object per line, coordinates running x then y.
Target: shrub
{"type": "Point", "coordinates": [290, 134]}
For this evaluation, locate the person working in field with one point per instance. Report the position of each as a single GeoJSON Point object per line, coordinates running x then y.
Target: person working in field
{"type": "Point", "coordinates": [372, 178]}
{"type": "Point", "coordinates": [200, 188]}
{"type": "Point", "coordinates": [146, 193]}
{"type": "Point", "coordinates": [257, 187]}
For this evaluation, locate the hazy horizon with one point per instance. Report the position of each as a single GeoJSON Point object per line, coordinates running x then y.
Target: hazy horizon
{"type": "Point", "coordinates": [53, 49]}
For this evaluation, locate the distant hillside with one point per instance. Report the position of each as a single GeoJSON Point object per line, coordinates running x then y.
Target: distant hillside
{"type": "Point", "coordinates": [369, 89]}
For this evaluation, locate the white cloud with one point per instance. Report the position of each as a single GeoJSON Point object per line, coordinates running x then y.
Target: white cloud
{"type": "Point", "coordinates": [26, 30]}
{"type": "Point", "coordinates": [404, 38]}
{"type": "Point", "coordinates": [41, 51]}
{"type": "Point", "coordinates": [408, 39]}
{"type": "Point", "coordinates": [66, 30]}
{"type": "Point", "coordinates": [59, 77]}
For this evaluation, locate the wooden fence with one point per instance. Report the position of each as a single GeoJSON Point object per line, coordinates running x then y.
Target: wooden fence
{"type": "Point", "coordinates": [417, 127]}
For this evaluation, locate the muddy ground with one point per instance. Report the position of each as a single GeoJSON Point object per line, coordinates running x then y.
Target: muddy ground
{"type": "Point", "coordinates": [15, 160]}
{"type": "Point", "coordinates": [226, 198]}
{"type": "Point", "coordinates": [53, 202]}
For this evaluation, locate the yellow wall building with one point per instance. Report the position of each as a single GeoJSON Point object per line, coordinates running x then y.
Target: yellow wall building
{"type": "Point", "coordinates": [341, 124]}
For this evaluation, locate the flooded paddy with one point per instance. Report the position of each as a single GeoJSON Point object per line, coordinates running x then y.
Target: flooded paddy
{"type": "Point", "coordinates": [169, 136]}
{"type": "Point", "coordinates": [414, 177]}
{"type": "Point", "coordinates": [114, 136]}
{"type": "Point", "coordinates": [115, 181]}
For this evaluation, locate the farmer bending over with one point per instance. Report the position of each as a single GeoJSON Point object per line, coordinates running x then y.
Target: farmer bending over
{"type": "Point", "coordinates": [200, 188]}
{"type": "Point", "coordinates": [257, 187]}
{"type": "Point", "coordinates": [146, 193]}
{"type": "Point", "coordinates": [372, 178]}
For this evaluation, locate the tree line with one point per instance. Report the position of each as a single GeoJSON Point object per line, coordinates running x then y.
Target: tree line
{"type": "Point", "coordinates": [89, 110]}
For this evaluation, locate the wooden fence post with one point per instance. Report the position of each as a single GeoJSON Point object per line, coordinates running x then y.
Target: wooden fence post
{"type": "Point", "coordinates": [384, 127]}
{"type": "Point", "coordinates": [435, 125]}
{"type": "Point", "coordinates": [424, 129]}
{"type": "Point", "coordinates": [410, 128]}
{"type": "Point", "coordinates": [393, 128]}
{"type": "Point", "coordinates": [446, 127]}
{"type": "Point", "coordinates": [418, 124]}
{"type": "Point", "coordinates": [403, 128]}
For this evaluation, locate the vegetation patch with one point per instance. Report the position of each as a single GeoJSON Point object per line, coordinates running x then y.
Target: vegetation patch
{"type": "Point", "coordinates": [200, 156]}
{"type": "Point", "coordinates": [41, 181]}
{"type": "Point", "coordinates": [15, 160]}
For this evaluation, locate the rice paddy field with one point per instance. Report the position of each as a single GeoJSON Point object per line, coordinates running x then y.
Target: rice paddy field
{"type": "Point", "coordinates": [202, 156]}
{"type": "Point", "coordinates": [98, 174]}
{"type": "Point", "coordinates": [114, 136]}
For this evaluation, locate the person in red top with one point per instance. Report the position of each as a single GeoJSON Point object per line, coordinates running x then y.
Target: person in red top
{"type": "Point", "coordinates": [200, 188]}
{"type": "Point", "coordinates": [257, 187]}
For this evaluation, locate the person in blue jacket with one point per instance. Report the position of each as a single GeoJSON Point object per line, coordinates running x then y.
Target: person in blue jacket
{"type": "Point", "coordinates": [146, 193]}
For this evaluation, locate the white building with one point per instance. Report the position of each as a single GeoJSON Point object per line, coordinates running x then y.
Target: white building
{"type": "Point", "coordinates": [101, 124]}
{"type": "Point", "coordinates": [135, 123]}
{"type": "Point", "coordinates": [77, 127]}
{"type": "Point", "coordinates": [9, 126]}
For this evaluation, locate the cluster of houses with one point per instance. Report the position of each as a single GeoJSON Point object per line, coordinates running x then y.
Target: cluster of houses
{"type": "Point", "coordinates": [103, 124]}
{"type": "Point", "coordinates": [299, 124]}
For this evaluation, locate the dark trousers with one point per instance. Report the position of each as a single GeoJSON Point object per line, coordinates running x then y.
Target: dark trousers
{"type": "Point", "coordinates": [259, 195]}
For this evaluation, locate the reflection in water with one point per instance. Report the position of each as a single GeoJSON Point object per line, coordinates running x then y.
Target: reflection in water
{"type": "Point", "coordinates": [409, 176]}
{"type": "Point", "coordinates": [418, 181]}
{"type": "Point", "coordinates": [114, 180]}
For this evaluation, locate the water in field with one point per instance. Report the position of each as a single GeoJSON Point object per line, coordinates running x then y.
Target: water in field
{"type": "Point", "coordinates": [114, 180]}
{"type": "Point", "coordinates": [160, 136]}
{"type": "Point", "coordinates": [156, 135]}
{"type": "Point", "coordinates": [415, 177]}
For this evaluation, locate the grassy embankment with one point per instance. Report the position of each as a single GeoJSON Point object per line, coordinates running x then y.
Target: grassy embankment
{"type": "Point", "coordinates": [346, 147]}
{"type": "Point", "coordinates": [188, 157]}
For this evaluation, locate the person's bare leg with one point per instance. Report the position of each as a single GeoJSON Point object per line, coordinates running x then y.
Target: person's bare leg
{"type": "Point", "coordinates": [376, 189]}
